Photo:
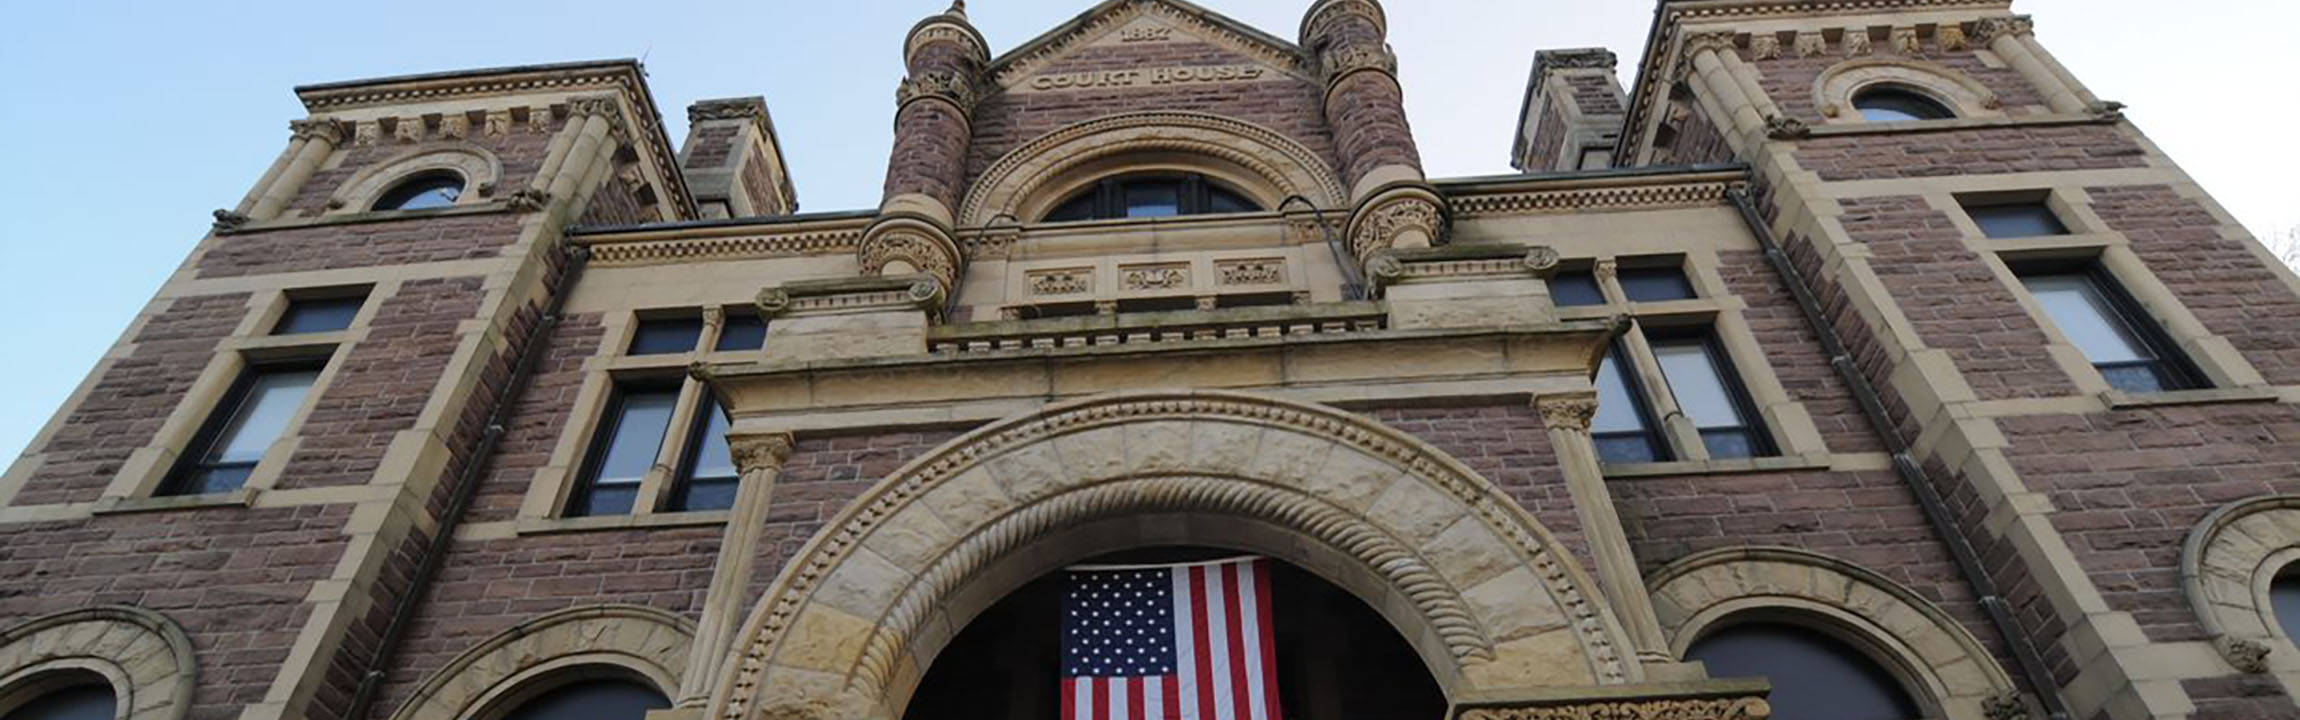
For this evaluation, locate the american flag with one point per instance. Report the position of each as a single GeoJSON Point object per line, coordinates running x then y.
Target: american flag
{"type": "Point", "coordinates": [1169, 642]}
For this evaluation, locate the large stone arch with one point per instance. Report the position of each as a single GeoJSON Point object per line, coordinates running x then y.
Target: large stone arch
{"type": "Point", "coordinates": [145, 658]}
{"type": "Point", "coordinates": [1261, 162]}
{"type": "Point", "coordinates": [1951, 672]}
{"type": "Point", "coordinates": [1486, 596]}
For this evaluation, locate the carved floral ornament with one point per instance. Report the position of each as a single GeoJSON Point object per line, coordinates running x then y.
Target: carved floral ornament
{"type": "Point", "coordinates": [847, 625]}
{"type": "Point", "coordinates": [1386, 221]}
{"type": "Point", "coordinates": [947, 87]}
{"type": "Point", "coordinates": [923, 247]}
{"type": "Point", "coordinates": [2227, 566]}
{"type": "Point", "coordinates": [1328, 12]}
{"type": "Point", "coordinates": [1742, 708]}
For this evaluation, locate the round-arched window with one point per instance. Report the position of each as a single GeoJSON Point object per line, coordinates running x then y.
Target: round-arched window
{"type": "Point", "coordinates": [90, 700]}
{"type": "Point", "coordinates": [1890, 104]}
{"type": "Point", "coordinates": [428, 190]}
{"type": "Point", "coordinates": [1149, 196]}
{"type": "Point", "coordinates": [592, 699]}
{"type": "Point", "coordinates": [2284, 601]}
{"type": "Point", "coordinates": [1814, 676]}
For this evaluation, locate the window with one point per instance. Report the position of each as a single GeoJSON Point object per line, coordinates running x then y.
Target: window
{"type": "Point", "coordinates": [1149, 196]}
{"type": "Point", "coordinates": [422, 192]}
{"type": "Point", "coordinates": [1814, 676]}
{"type": "Point", "coordinates": [83, 699]}
{"type": "Point", "coordinates": [708, 477]}
{"type": "Point", "coordinates": [742, 332]}
{"type": "Point", "coordinates": [2016, 220]}
{"type": "Point", "coordinates": [254, 415]}
{"type": "Point", "coordinates": [597, 699]}
{"type": "Point", "coordinates": [2108, 327]}
{"type": "Point", "coordinates": [1891, 104]}
{"type": "Point", "coordinates": [1623, 429]}
{"type": "Point", "coordinates": [1702, 382]}
{"type": "Point", "coordinates": [666, 336]}
{"type": "Point", "coordinates": [629, 440]}
{"type": "Point", "coordinates": [2284, 599]}
{"type": "Point", "coordinates": [1655, 284]}
{"type": "Point", "coordinates": [318, 315]}
{"type": "Point", "coordinates": [1575, 288]}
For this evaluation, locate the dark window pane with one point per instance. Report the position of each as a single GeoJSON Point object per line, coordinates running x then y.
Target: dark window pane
{"type": "Point", "coordinates": [1219, 200]}
{"type": "Point", "coordinates": [2284, 597]}
{"type": "Point", "coordinates": [708, 480]}
{"type": "Point", "coordinates": [1153, 198]}
{"type": "Point", "coordinates": [2088, 315]}
{"type": "Point", "coordinates": [81, 702]}
{"type": "Point", "coordinates": [1815, 677]}
{"type": "Point", "coordinates": [1569, 289]}
{"type": "Point", "coordinates": [1637, 447]}
{"type": "Point", "coordinates": [427, 191]}
{"type": "Point", "coordinates": [318, 315]}
{"type": "Point", "coordinates": [673, 335]}
{"type": "Point", "coordinates": [1076, 208]}
{"type": "Point", "coordinates": [593, 700]}
{"type": "Point", "coordinates": [2016, 221]}
{"type": "Point", "coordinates": [1888, 105]}
{"type": "Point", "coordinates": [631, 437]}
{"type": "Point", "coordinates": [1707, 391]}
{"type": "Point", "coordinates": [1655, 284]}
{"type": "Point", "coordinates": [1623, 429]}
{"type": "Point", "coordinates": [1726, 444]}
{"type": "Point", "coordinates": [743, 332]}
{"type": "Point", "coordinates": [259, 410]}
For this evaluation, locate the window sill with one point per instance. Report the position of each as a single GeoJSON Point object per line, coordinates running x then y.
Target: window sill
{"type": "Point", "coordinates": [598, 523]}
{"type": "Point", "coordinates": [1717, 467]}
{"type": "Point", "coordinates": [2121, 400]}
{"type": "Point", "coordinates": [243, 497]}
{"type": "Point", "coordinates": [1847, 127]}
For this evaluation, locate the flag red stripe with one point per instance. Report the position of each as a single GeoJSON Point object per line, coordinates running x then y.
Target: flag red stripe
{"type": "Point", "coordinates": [1237, 645]}
{"type": "Point", "coordinates": [1134, 698]}
{"type": "Point", "coordinates": [1205, 654]}
{"type": "Point", "coordinates": [1269, 640]}
{"type": "Point", "coordinates": [1070, 699]}
{"type": "Point", "coordinates": [1173, 704]}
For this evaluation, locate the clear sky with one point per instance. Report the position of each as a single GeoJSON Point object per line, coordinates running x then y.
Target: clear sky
{"type": "Point", "coordinates": [129, 121]}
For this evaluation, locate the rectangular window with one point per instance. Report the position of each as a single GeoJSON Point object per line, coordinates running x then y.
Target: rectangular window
{"type": "Point", "coordinates": [2108, 327]}
{"type": "Point", "coordinates": [629, 439]}
{"type": "Point", "coordinates": [1575, 288]}
{"type": "Point", "coordinates": [707, 476]}
{"type": "Point", "coordinates": [254, 415]}
{"type": "Point", "coordinates": [742, 332]}
{"type": "Point", "coordinates": [2016, 220]}
{"type": "Point", "coordinates": [1655, 284]}
{"type": "Point", "coordinates": [318, 315]}
{"type": "Point", "coordinates": [666, 336]}
{"type": "Point", "coordinates": [1702, 380]}
{"type": "Point", "coordinates": [1623, 429]}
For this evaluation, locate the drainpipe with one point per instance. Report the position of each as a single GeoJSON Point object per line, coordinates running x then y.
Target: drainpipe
{"type": "Point", "coordinates": [1353, 284]}
{"type": "Point", "coordinates": [1905, 465]}
{"type": "Point", "coordinates": [466, 485]}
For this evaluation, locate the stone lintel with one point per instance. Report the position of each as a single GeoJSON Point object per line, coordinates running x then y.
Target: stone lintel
{"type": "Point", "coordinates": [1724, 699]}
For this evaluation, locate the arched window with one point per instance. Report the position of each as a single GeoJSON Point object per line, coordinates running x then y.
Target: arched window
{"type": "Point", "coordinates": [81, 696]}
{"type": "Point", "coordinates": [604, 698]}
{"type": "Point", "coordinates": [428, 190]}
{"type": "Point", "coordinates": [2284, 599]}
{"type": "Point", "coordinates": [1887, 104]}
{"type": "Point", "coordinates": [1148, 196]}
{"type": "Point", "coordinates": [1814, 676]}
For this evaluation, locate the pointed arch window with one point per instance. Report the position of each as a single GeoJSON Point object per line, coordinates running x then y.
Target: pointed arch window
{"type": "Point", "coordinates": [1149, 196]}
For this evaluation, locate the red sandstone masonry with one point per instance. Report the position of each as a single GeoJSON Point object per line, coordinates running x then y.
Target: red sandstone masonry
{"type": "Point", "coordinates": [1594, 95]}
{"type": "Point", "coordinates": [712, 146]}
{"type": "Point", "coordinates": [383, 383]}
{"type": "Point", "coordinates": [521, 152]}
{"type": "Point", "coordinates": [1509, 446]}
{"type": "Point", "coordinates": [360, 245]}
{"type": "Point", "coordinates": [1789, 79]}
{"type": "Point", "coordinates": [1548, 140]}
{"type": "Point", "coordinates": [1980, 151]}
{"type": "Point", "coordinates": [132, 398]}
{"type": "Point", "coordinates": [822, 476]}
{"type": "Point", "coordinates": [539, 416]}
{"type": "Point", "coordinates": [2219, 280]}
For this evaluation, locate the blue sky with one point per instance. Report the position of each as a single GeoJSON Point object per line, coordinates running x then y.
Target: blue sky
{"type": "Point", "coordinates": [129, 121]}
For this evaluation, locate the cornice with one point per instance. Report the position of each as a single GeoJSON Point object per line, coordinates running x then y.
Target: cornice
{"type": "Point", "coordinates": [1568, 194]}
{"type": "Point", "coordinates": [740, 242]}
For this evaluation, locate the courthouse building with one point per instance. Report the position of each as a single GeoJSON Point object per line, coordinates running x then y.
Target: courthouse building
{"type": "Point", "coordinates": [1853, 362]}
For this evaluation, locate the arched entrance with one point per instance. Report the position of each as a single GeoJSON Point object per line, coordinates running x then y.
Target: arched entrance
{"type": "Point", "coordinates": [1484, 596]}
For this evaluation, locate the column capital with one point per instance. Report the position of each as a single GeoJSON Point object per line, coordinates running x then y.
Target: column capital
{"type": "Point", "coordinates": [948, 87]}
{"type": "Point", "coordinates": [326, 129]}
{"type": "Point", "coordinates": [1567, 411]}
{"type": "Point", "coordinates": [760, 452]}
{"type": "Point", "coordinates": [602, 106]}
{"type": "Point", "coordinates": [1987, 30]}
{"type": "Point", "coordinates": [1720, 42]}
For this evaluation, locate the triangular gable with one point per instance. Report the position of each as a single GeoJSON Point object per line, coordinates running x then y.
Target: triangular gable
{"type": "Point", "coordinates": [1147, 17]}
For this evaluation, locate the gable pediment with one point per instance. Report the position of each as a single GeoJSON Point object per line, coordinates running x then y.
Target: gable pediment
{"type": "Point", "coordinates": [1117, 29]}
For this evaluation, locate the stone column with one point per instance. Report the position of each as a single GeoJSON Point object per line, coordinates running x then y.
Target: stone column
{"type": "Point", "coordinates": [316, 139]}
{"type": "Point", "coordinates": [932, 131]}
{"type": "Point", "coordinates": [1567, 417]}
{"type": "Point", "coordinates": [1711, 60]}
{"type": "Point", "coordinates": [592, 125]}
{"type": "Point", "coordinates": [2011, 38]}
{"type": "Point", "coordinates": [1395, 207]}
{"type": "Point", "coordinates": [760, 458]}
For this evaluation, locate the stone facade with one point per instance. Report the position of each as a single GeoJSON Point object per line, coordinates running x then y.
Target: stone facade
{"type": "Point", "coordinates": [1375, 376]}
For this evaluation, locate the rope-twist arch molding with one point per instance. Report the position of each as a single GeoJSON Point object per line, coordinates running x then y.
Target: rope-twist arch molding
{"type": "Point", "coordinates": [642, 641]}
{"type": "Point", "coordinates": [1275, 161]}
{"type": "Point", "coordinates": [145, 657]}
{"type": "Point", "coordinates": [832, 633]}
{"type": "Point", "coordinates": [480, 169]}
{"type": "Point", "coordinates": [1833, 91]}
{"type": "Point", "coordinates": [1950, 671]}
{"type": "Point", "coordinates": [2227, 565]}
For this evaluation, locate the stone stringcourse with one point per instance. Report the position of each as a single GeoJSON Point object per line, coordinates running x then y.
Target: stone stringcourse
{"type": "Point", "coordinates": [1628, 197]}
{"type": "Point", "coordinates": [737, 247]}
{"type": "Point", "coordinates": [143, 655]}
{"type": "Point", "coordinates": [794, 592]}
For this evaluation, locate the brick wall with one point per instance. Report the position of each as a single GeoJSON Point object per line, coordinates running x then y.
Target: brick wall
{"type": "Point", "coordinates": [1698, 141]}
{"type": "Point", "coordinates": [759, 184]}
{"type": "Point", "coordinates": [1790, 79]}
{"type": "Point", "coordinates": [1595, 95]}
{"type": "Point", "coordinates": [1984, 151]}
{"type": "Point", "coordinates": [539, 416]}
{"type": "Point", "coordinates": [2222, 281]}
{"type": "Point", "coordinates": [363, 245]}
{"type": "Point", "coordinates": [521, 152]}
{"type": "Point", "coordinates": [131, 398]}
{"type": "Point", "coordinates": [712, 145]}
{"type": "Point", "coordinates": [1509, 446]}
{"type": "Point", "coordinates": [1548, 140]}
{"type": "Point", "coordinates": [820, 478]}
{"type": "Point", "coordinates": [383, 383]}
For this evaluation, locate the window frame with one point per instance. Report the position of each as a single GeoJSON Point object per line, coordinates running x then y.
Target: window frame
{"type": "Point", "coordinates": [1106, 197]}
{"type": "Point", "coordinates": [679, 496]}
{"type": "Point", "coordinates": [1650, 426]}
{"type": "Point", "coordinates": [2173, 365]}
{"type": "Point", "coordinates": [410, 180]}
{"type": "Point", "coordinates": [606, 431]}
{"type": "Point", "coordinates": [1945, 110]}
{"type": "Point", "coordinates": [1886, 659]}
{"type": "Point", "coordinates": [1728, 372]}
{"type": "Point", "coordinates": [227, 408]}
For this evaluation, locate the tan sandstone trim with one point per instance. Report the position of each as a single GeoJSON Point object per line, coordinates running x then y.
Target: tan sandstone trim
{"type": "Point", "coordinates": [143, 655]}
